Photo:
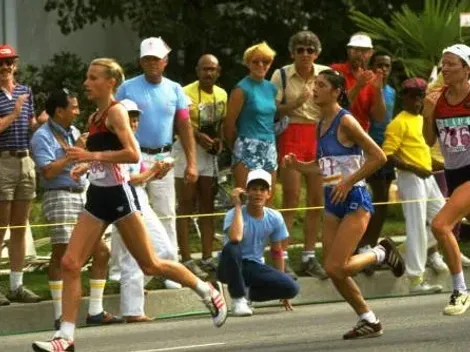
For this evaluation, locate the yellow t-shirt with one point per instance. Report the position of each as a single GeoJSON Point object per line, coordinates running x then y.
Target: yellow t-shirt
{"type": "Point", "coordinates": [206, 109]}
{"type": "Point", "coordinates": [404, 138]}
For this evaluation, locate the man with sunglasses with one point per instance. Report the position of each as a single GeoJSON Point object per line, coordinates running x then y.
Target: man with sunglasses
{"type": "Point", "coordinates": [63, 201]}
{"type": "Point", "coordinates": [17, 175]}
{"type": "Point", "coordinates": [363, 85]}
{"type": "Point", "coordinates": [295, 84]}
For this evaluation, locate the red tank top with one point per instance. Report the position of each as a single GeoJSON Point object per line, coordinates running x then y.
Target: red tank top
{"type": "Point", "coordinates": [453, 130]}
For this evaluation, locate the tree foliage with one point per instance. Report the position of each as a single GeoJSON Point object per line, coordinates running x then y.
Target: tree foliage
{"type": "Point", "coordinates": [415, 39]}
{"type": "Point", "coordinates": [225, 28]}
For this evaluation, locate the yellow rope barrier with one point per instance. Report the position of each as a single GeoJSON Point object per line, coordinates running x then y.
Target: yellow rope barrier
{"type": "Point", "coordinates": [222, 214]}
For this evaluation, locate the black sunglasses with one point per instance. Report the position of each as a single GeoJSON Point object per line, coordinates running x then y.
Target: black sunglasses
{"type": "Point", "coordinates": [301, 50]}
{"type": "Point", "coordinates": [265, 62]}
{"type": "Point", "coordinates": [68, 93]}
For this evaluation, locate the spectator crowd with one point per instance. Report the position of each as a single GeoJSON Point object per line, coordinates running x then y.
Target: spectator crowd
{"type": "Point", "coordinates": [287, 129]}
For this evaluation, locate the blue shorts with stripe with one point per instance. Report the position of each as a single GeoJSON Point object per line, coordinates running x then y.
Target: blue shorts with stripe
{"type": "Point", "coordinates": [357, 198]}
{"type": "Point", "coordinates": [110, 204]}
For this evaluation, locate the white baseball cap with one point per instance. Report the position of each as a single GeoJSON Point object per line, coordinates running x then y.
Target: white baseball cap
{"type": "Point", "coordinates": [460, 50]}
{"type": "Point", "coordinates": [259, 174]}
{"type": "Point", "coordinates": [360, 40]}
{"type": "Point", "coordinates": [154, 47]}
{"type": "Point", "coordinates": [130, 105]}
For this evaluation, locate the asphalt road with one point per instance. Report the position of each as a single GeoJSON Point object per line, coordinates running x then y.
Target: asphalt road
{"type": "Point", "coordinates": [410, 324]}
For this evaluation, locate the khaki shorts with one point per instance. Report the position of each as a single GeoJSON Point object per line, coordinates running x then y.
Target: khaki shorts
{"type": "Point", "coordinates": [17, 178]}
{"type": "Point", "coordinates": [206, 163]}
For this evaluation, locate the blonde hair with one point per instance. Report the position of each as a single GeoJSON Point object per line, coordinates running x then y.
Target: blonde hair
{"type": "Point", "coordinates": [112, 69]}
{"type": "Point", "coordinates": [262, 47]}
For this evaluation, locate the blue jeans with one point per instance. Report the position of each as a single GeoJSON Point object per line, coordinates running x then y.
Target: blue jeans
{"type": "Point", "coordinates": [265, 282]}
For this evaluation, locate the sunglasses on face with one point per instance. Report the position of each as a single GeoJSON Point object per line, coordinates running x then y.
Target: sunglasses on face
{"type": "Point", "coordinates": [8, 62]}
{"type": "Point", "coordinates": [301, 50]}
{"type": "Point", "coordinates": [265, 62]}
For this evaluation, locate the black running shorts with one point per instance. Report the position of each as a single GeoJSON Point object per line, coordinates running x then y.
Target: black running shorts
{"type": "Point", "coordinates": [110, 204]}
{"type": "Point", "coordinates": [456, 177]}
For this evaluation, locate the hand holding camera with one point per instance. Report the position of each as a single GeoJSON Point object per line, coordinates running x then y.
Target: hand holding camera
{"type": "Point", "coordinates": [238, 196]}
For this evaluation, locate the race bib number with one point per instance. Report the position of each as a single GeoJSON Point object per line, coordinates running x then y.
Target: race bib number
{"type": "Point", "coordinates": [455, 139]}
{"type": "Point", "coordinates": [329, 167]}
{"type": "Point", "coordinates": [97, 171]}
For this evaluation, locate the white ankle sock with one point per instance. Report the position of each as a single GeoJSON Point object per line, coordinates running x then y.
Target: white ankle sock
{"type": "Point", "coordinates": [202, 289]}
{"type": "Point", "coordinates": [16, 280]}
{"type": "Point", "coordinates": [368, 316]}
{"type": "Point", "coordinates": [56, 293]}
{"type": "Point", "coordinates": [379, 252]}
{"type": "Point", "coordinates": [96, 296]}
{"type": "Point", "coordinates": [458, 282]}
{"type": "Point", "coordinates": [306, 255]}
{"type": "Point", "coordinates": [67, 330]}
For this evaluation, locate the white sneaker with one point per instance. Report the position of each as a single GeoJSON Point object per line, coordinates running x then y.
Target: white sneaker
{"type": "Point", "coordinates": [240, 307]}
{"type": "Point", "coordinates": [465, 260]}
{"type": "Point", "coordinates": [216, 304]}
{"type": "Point", "coordinates": [57, 344]}
{"type": "Point", "coordinates": [458, 304]}
{"type": "Point", "coordinates": [424, 288]}
{"type": "Point", "coordinates": [172, 285]}
{"type": "Point", "coordinates": [436, 263]}
{"type": "Point", "coordinates": [364, 249]}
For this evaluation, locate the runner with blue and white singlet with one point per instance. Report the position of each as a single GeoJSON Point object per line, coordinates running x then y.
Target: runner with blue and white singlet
{"type": "Point", "coordinates": [346, 155]}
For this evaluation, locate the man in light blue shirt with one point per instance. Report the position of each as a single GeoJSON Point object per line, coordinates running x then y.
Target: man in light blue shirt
{"type": "Point", "coordinates": [164, 105]}
{"type": "Point", "coordinates": [247, 229]}
{"type": "Point", "coordinates": [64, 200]}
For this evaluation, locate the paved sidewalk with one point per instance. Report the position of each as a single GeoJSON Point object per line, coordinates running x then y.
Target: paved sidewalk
{"type": "Point", "coordinates": [18, 318]}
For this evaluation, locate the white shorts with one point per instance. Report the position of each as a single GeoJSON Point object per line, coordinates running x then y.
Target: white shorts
{"type": "Point", "coordinates": [206, 163]}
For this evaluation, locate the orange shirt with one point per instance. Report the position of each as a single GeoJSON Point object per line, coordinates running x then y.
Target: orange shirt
{"type": "Point", "coordinates": [364, 101]}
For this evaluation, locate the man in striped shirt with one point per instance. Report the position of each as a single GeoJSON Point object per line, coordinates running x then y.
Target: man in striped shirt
{"type": "Point", "coordinates": [17, 174]}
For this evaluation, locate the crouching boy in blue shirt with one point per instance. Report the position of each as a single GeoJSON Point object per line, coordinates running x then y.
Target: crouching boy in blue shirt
{"type": "Point", "coordinates": [247, 228]}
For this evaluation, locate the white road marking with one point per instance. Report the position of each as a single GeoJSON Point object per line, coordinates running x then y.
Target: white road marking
{"type": "Point", "coordinates": [183, 347]}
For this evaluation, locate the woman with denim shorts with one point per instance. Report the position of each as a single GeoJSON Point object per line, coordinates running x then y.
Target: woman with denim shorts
{"type": "Point", "coordinates": [249, 123]}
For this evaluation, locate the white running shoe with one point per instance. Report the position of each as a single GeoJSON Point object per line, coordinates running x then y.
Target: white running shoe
{"type": "Point", "coordinates": [465, 260]}
{"type": "Point", "coordinates": [458, 303]}
{"type": "Point", "coordinates": [57, 344]}
{"type": "Point", "coordinates": [424, 288]}
{"type": "Point", "coordinates": [216, 304]}
{"type": "Point", "coordinates": [172, 285]}
{"type": "Point", "coordinates": [240, 307]}
{"type": "Point", "coordinates": [437, 264]}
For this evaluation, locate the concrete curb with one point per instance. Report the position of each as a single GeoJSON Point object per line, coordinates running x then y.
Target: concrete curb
{"type": "Point", "coordinates": [21, 318]}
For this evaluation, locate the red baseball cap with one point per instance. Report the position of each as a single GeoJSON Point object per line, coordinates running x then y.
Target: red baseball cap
{"type": "Point", "coordinates": [7, 52]}
{"type": "Point", "coordinates": [415, 83]}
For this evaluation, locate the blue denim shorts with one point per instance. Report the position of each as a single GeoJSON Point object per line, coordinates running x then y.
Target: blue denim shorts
{"type": "Point", "coordinates": [255, 154]}
{"type": "Point", "coordinates": [357, 198]}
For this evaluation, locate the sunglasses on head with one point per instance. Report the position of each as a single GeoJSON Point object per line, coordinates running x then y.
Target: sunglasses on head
{"type": "Point", "coordinates": [301, 50]}
{"type": "Point", "coordinates": [8, 62]}
{"type": "Point", "coordinates": [265, 62]}
{"type": "Point", "coordinates": [68, 93]}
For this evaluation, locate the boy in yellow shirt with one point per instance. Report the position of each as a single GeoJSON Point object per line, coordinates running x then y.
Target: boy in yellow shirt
{"type": "Point", "coordinates": [406, 148]}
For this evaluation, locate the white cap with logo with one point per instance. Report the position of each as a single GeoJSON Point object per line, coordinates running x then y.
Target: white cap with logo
{"type": "Point", "coordinates": [154, 47]}
{"type": "Point", "coordinates": [460, 50]}
{"type": "Point", "coordinates": [130, 105]}
{"type": "Point", "coordinates": [259, 174]}
{"type": "Point", "coordinates": [360, 40]}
